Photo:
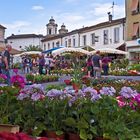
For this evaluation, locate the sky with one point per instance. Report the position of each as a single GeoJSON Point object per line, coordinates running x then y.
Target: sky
{"type": "Point", "coordinates": [31, 16]}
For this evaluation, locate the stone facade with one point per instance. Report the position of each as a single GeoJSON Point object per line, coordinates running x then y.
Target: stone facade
{"type": "Point", "coordinates": [133, 29]}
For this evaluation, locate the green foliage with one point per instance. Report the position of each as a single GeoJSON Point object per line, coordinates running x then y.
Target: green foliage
{"type": "Point", "coordinates": [56, 86]}
{"type": "Point", "coordinates": [119, 63]}
{"type": "Point", "coordinates": [32, 48]}
{"type": "Point", "coordinates": [77, 74]}
{"type": "Point", "coordinates": [134, 67]}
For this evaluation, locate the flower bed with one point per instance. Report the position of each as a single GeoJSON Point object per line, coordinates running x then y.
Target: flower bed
{"type": "Point", "coordinates": [88, 112]}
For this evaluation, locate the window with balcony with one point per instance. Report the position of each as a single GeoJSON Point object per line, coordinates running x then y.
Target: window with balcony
{"type": "Point", "coordinates": [105, 36]}
{"type": "Point", "coordinates": [84, 40]}
{"type": "Point", "coordinates": [136, 32]}
{"type": "Point", "coordinates": [116, 35]}
{"type": "Point", "coordinates": [135, 7]}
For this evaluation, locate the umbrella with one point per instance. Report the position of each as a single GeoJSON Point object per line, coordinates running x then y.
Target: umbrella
{"type": "Point", "coordinates": [63, 50]}
{"type": "Point", "coordinates": [109, 50]}
{"type": "Point", "coordinates": [53, 49]}
{"type": "Point", "coordinates": [29, 53]}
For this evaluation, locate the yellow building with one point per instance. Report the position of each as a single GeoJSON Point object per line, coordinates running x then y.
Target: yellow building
{"type": "Point", "coordinates": [133, 30]}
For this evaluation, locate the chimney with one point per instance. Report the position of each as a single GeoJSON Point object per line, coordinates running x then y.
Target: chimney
{"type": "Point", "coordinates": [109, 16]}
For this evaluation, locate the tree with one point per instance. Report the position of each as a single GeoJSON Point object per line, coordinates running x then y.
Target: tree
{"type": "Point", "coordinates": [32, 48]}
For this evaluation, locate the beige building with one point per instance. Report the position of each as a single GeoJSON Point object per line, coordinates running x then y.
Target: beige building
{"type": "Point", "coordinates": [2, 35]}
{"type": "Point", "coordinates": [133, 30]}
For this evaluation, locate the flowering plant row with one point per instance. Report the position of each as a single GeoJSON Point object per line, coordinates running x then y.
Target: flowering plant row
{"type": "Point", "coordinates": [41, 78]}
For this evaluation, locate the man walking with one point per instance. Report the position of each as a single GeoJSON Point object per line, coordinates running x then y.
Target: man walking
{"type": "Point", "coordinates": [6, 63]}
{"type": "Point", "coordinates": [97, 65]}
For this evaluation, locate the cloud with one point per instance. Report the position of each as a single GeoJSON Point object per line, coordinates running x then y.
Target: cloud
{"type": "Point", "coordinates": [17, 24]}
{"type": "Point", "coordinates": [37, 7]}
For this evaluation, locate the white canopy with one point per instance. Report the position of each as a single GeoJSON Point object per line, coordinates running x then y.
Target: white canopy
{"type": "Point", "coordinates": [28, 53]}
{"type": "Point", "coordinates": [109, 50]}
{"type": "Point", "coordinates": [62, 50]}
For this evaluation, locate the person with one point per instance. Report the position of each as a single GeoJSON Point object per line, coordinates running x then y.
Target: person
{"type": "Point", "coordinates": [105, 64]}
{"type": "Point", "coordinates": [5, 68]}
{"type": "Point", "coordinates": [89, 66]}
{"type": "Point", "coordinates": [97, 64]}
{"type": "Point", "coordinates": [41, 64]}
{"type": "Point", "coordinates": [27, 63]}
{"type": "Point", "coordinates": [0, 63]}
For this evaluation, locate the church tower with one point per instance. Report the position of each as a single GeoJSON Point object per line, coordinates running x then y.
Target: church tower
{"type": "Point", "coordinates": [51, 27]}
{"type": "Point", "coordinates": [63, 29]}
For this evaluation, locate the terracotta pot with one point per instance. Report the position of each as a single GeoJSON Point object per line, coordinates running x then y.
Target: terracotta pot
{"type": "Point", "coordinates": [9, 128]}
{"type": "Point", "coordinates": [67, 82]}
{"type": "Point", "coordinates": [76, 86]}
{"type": "Point", "coordinates": [53, 136]}
{"type": "Point", "coordinates": [72, 136]}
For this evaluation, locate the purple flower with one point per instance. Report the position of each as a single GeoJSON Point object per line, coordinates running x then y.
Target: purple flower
{"type": "Point", "coordinates": [72, 100]}
{"type": "Point", "coordinates": [15, 71]}
{"type": "Point", "coordinates": [54, 93]}
{"type": "Point", "coordinates": [137, 98]}
{"type": "Point", "coordinates": [95, 97]}
{"type": "Point", "coordinates": [22, 96]}
{"type": "Point", "coordinates": [107, 91]}
{"type": "Point", "coordinates": [35, 96]}
{"type": "Point", "coordinates": [127, 92]}
{"type": "Point", "coordinates": [90, 90]}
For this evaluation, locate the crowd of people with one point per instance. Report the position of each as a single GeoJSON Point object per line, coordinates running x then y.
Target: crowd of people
{"type": "Point", "coordinates": [96, 64]}
{"type": "Point", "coordinates": [43, 64]}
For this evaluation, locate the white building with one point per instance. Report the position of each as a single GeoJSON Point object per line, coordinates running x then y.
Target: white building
{"type": "Point", "coordinates": [108, 34]}
{"type": "Point", "coordinates": [21, 41]}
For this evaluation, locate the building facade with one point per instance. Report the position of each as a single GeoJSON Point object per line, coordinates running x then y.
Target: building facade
{"type": "Point", "coordinates": [133, 30]}
{"type": "Point", "coordinates": [2, 35]}
{"type": "Point", "coordinates": [21, 41]}
{"type": "Point", "coordinates": [108, 34]}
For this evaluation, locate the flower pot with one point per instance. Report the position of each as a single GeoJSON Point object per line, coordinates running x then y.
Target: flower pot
{"type": "Point", "coordinates": [53, 136]}
{"type": "Point", "coordinates": [67, 82]}
{"type": "Point", "coordinates": [72, 136]}
{"type": "Point", "coordinates": [76, 86]}
{"type": "Point", "coordinates": [9, 128]}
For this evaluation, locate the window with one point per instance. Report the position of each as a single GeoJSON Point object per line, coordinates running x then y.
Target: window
{"type": "Point", "coordinates": [135, 30]}
{"type": "Point", "coordinates": [69, 43]}
{"type": "Point", "coordinates": [93, 38]}
{"type": "Point", "coordinates": [44, 47]}
{"type": "Point", "coordinates": [50, 31]}
{"type": "Point", "coordinates": [53, 44]}
{"type": "Point", "coordinates": [65, 43]}
{"type": "Point", "coordinates": [105, 36]}
{"type": "Point", "coordinates": [57, 43]}
{"type": "Point", "coordinates": [135, 7]}
{"type": "Point", "coordinates": [84, 40]}
{"type": "Point", "coordinates": [116, 35]}
{"type": "Point", "coordinates": [48, 46]}
{"type": "Point", "coordinates": [73, 42]}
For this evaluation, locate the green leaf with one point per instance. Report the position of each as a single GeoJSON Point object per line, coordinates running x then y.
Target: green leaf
{"type": "Point", "coordinates": [70, 122]}
{"type": "Point", "coordinates": [83, 134]}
